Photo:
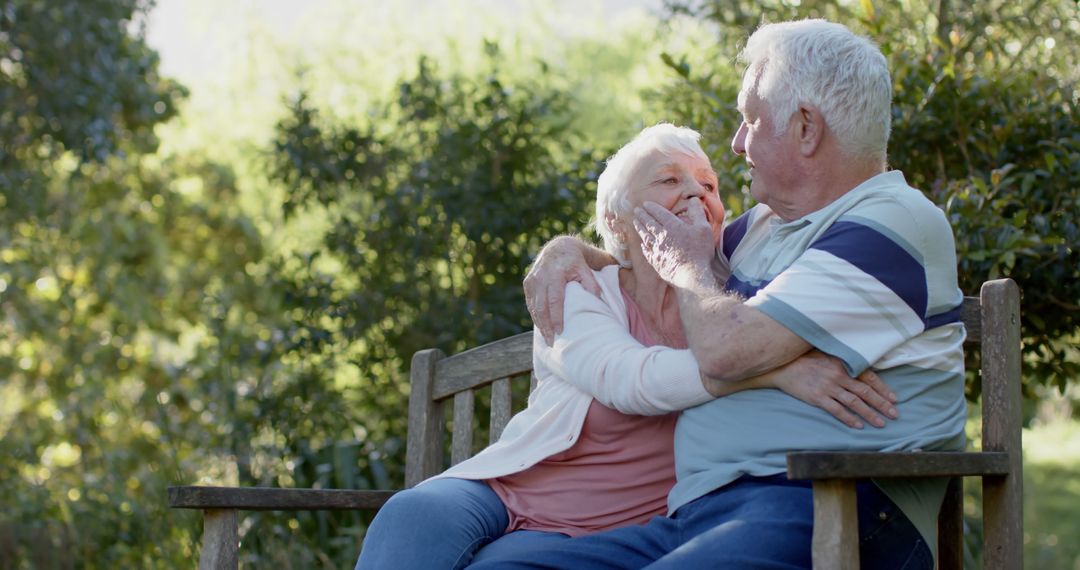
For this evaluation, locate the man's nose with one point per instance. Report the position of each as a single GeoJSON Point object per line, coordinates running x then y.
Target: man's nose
{"type": "Point", "coordinates": [738, 143]}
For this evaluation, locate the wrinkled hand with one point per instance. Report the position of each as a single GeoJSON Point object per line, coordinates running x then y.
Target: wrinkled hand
{"type": "Point", "coordinates": [821, 380]}
{"type": "Point", "coordinates": [559, 263]}
{"type": "Point", "coordinates": [680, 250]}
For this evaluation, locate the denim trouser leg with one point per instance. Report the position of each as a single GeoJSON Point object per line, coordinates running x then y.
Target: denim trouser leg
{"type": "Point", "coordinates": [438, 525]}
{"type": "Point", "coordinates": [768, 524]}
{"type": "Point", "coordinates": [755, 523]}
{"type": "Point", "coordinates": [511, 544]}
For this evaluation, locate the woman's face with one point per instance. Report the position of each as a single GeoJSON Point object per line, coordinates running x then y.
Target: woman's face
{"type": "Point", "coordinates": [673, 182]}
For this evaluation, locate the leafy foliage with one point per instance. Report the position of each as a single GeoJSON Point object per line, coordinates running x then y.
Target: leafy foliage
{"type": "Point", "coordinates": [137, 313]}
{"type": "Point", "coordinates": [104, 370]}
{"type": "Point", "coordinates": [72, 79]}
{"type": "Point", "coordinates": [1005, 165]}
{"type": "Point", "coordinates": [434, 221]}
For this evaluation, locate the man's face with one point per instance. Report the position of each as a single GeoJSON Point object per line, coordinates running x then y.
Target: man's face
{"type": "Point", "coordinates": [768, 155]}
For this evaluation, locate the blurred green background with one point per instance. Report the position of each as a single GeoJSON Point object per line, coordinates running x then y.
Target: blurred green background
{"type": "Point", "coordinates": [226, 225]}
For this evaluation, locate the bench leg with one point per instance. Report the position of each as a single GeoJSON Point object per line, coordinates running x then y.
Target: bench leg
{"type": "Point", "coordinates": [950, 554]}
{"type": "Point", "coordinates": [1003, 525]}
{"type": "Point", "coordinates": [836, 525]}
{"type": "Point", "coordinates": [220, 541]}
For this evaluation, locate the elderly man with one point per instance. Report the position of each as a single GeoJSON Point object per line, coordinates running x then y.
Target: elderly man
{"type": "Point", "coordinates": [840, 255]}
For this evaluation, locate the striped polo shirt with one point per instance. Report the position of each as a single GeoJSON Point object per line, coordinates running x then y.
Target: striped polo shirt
{"type": "Point", "coordinates": [870, 279]}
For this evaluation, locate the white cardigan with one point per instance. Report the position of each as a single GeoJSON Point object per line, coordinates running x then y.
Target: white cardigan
{"type": "Point", "coordinates": [594, 357]}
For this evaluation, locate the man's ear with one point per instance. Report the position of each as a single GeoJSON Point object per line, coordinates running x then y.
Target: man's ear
{"type": "Point", "coordinates": [810, 128]}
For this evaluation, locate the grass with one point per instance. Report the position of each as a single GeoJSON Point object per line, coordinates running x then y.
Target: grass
{"type": "Point", "coordinates": [1052, 495]}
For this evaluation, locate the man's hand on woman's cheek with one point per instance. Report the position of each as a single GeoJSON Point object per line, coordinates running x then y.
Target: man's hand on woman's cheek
{"type": "Point", "coordinates": [680, 250]}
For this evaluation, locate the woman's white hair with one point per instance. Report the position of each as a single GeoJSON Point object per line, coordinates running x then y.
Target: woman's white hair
{"type": "Point", "coordinates": [826, 65]}
{"type": "Point", "coordinates": [615, 182]}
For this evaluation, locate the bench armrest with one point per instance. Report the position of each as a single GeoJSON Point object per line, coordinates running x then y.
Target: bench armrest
{"type": "Point", "coordinates": [836, 540]}
{"type": "Point", "coordinates": [861, 465]}
{"type": "Point", "coordinates": [275, 499]}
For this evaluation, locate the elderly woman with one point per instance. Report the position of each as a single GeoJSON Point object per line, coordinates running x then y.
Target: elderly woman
{"type": "Point", "coordinates": [593, 449]}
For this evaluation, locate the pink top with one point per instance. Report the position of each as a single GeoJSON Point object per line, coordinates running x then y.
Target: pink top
{"type": "Point", "coordinates": [618, 472]}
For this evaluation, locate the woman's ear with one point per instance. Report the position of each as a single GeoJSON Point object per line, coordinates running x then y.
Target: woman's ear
{"type": "Point", "coordinates": [621, 230]}
{"type": "Point", "coordinates": [618, 228]}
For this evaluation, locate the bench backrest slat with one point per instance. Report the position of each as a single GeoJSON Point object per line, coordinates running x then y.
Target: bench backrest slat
{"type": "Point", "coordinates": [464, 414]}
{"type": "Point", "coordinates": [971, 315]}
{"type": "Point", "coordinates": [501, 409]}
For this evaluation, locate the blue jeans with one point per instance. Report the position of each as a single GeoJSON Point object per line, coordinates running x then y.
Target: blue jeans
{"type": "Point", "coordinates": [755, 523]}
{"type": "Point", "coordinates": [441, 525]}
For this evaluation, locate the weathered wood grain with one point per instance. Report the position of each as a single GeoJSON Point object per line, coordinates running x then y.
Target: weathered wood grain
{"type": "Point", "coordinates": [862, 465]}
{"type": "Point", "coordinates": [836, 526]}
{"type": "Point", "coordinates": [220, 541]}
{"type": "Point", "coordinates": [424, 439]}
{"type": "Point", "coordinates": [461, 439]}
{"type": "Point", "coordinates": [1003, 525]}
{"type": "Point", "coordinates": [950, 555]}
{"type": "Point", "coordinates": [971, 316]}
{"type": "Point", "coordinates": [274, 499]}
{"type": "Point", "coordinates": [500, 408]}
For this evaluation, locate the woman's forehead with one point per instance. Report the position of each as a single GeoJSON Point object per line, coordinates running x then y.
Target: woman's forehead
{"type": "Point", "coordinates": [659, 160]}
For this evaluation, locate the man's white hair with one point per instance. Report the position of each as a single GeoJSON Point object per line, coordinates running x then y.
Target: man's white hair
{"type": "Point", "coordinates": [826, 65]}
{"type": "Point", "coordinates": [615, 182]}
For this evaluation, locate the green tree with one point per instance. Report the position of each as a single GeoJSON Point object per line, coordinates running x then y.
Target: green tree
{"type": "Point", "coordinates": [136, 313]}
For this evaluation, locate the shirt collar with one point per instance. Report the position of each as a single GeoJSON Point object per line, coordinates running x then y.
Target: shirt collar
{"type": "Point", "coordinates": [890, 178]}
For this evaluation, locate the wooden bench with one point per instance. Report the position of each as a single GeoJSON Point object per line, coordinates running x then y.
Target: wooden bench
{"type": "Point", "coordinates": [993, 323]}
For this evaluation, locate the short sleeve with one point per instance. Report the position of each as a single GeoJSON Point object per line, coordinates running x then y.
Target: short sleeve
{"type": "Point", "coordinates": [856, 293]}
